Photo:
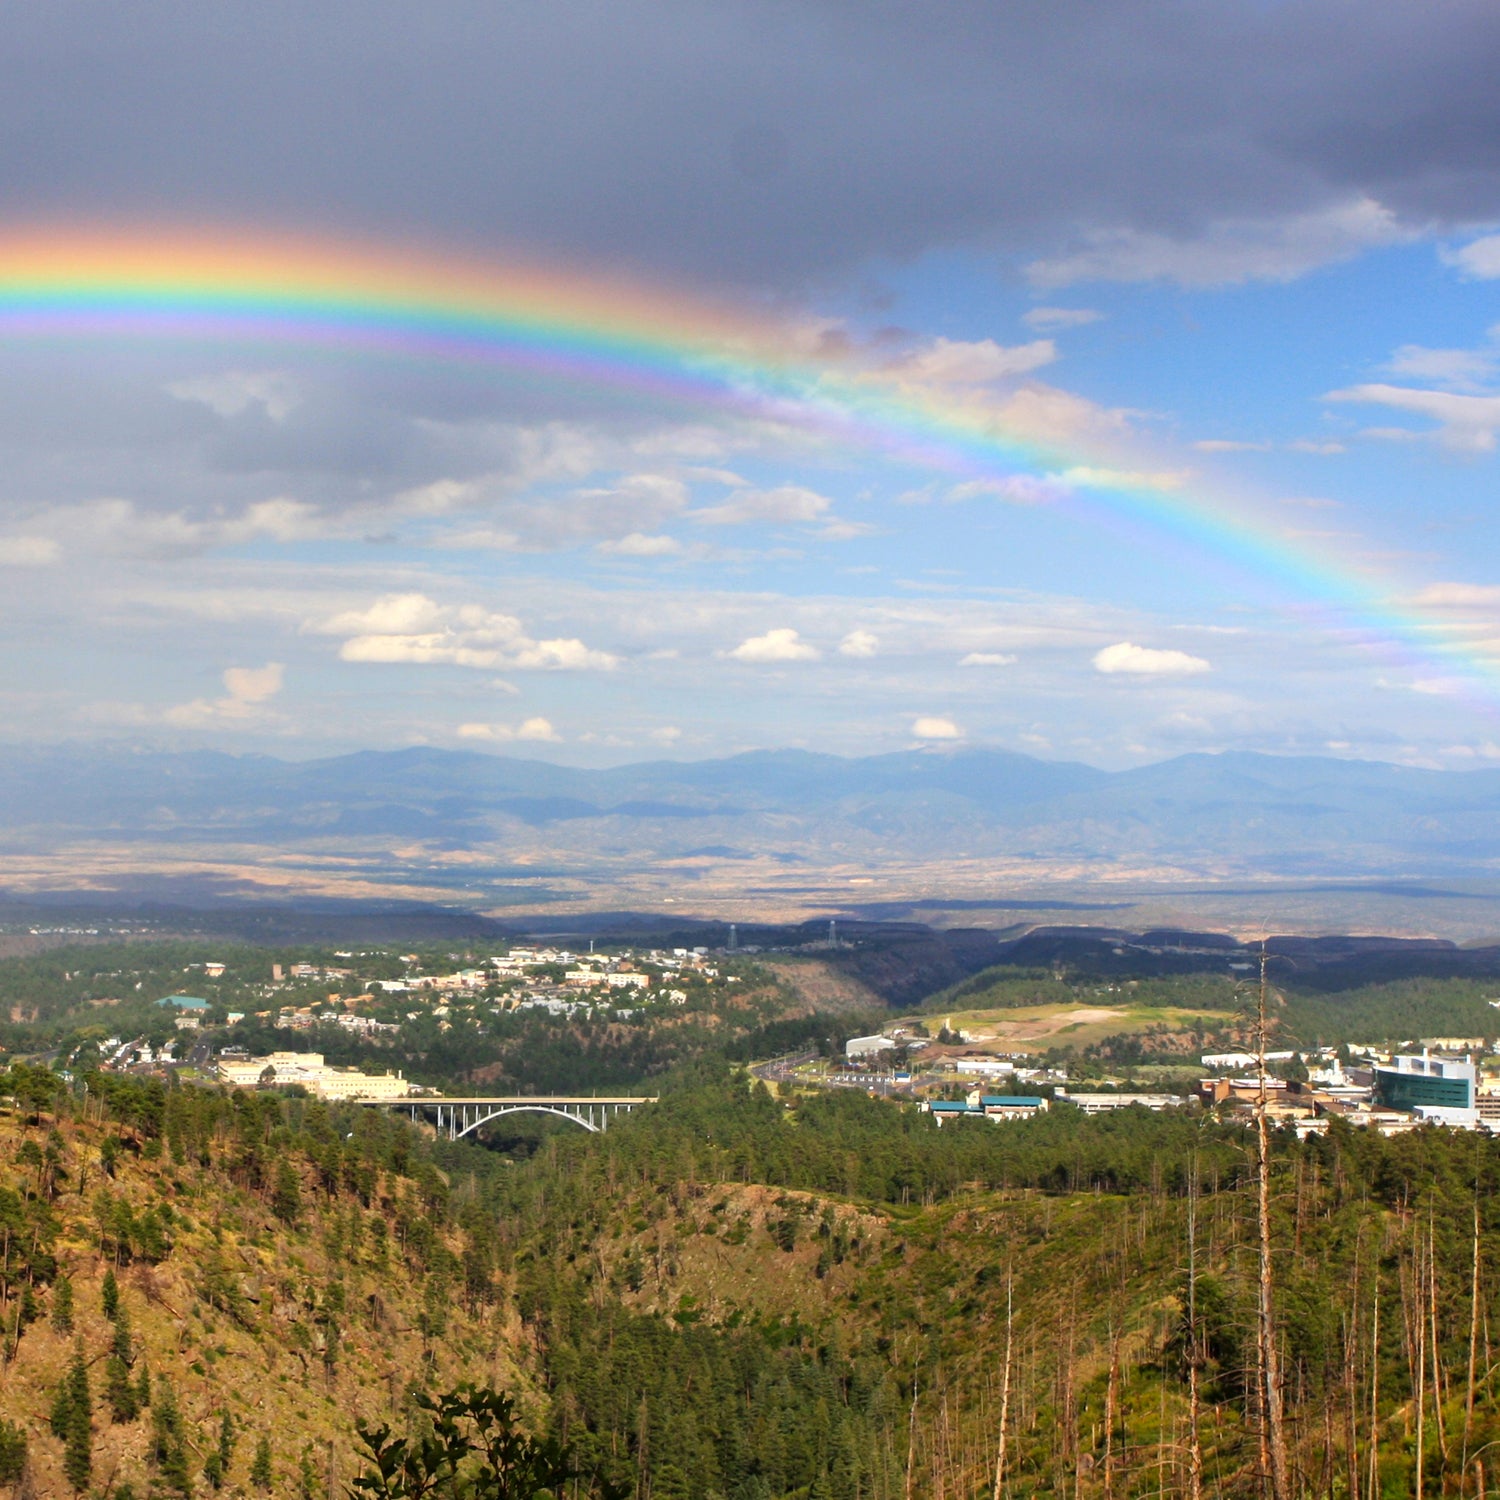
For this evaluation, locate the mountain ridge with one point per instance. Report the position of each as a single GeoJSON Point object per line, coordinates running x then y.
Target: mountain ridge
{"type": "Point", "coordinates": [1197, 815]}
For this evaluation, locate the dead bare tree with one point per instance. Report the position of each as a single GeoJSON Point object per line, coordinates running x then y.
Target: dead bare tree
{"type": "Point", "coordinates": [1004, 1388]}
{"type": "Point", "coordinates": [1194, 1345]}
{"type": "Point", "coordinates": [1269, 1358]}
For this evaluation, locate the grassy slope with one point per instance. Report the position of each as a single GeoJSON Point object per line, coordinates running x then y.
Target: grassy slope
{"type": "Point", "coordinates": [1078, 1023]}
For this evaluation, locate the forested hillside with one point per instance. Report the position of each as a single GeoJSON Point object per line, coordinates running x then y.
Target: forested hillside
{"type": "Point", "coordinates": [738, 1295]}
{"type": "Point", "coordinates": [203, 1290]}
{"type": "Point", "coordinates": [839, 1300]}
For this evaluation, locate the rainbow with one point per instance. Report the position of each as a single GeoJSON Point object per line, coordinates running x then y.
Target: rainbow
{"type": "Point", "coordinates": [417, 304]}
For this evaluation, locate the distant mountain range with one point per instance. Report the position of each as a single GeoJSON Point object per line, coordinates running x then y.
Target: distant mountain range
{"type": "Point", "coordinates": [1210, 814]}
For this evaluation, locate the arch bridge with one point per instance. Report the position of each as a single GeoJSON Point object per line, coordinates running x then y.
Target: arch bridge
{"type": "Point", "coordinates": [455, 1117]}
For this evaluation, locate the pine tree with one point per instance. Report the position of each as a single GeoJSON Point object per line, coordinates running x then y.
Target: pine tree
{"type": "Point", "coordinates": [60, 1418]}
{"type": "Point", "coordinates": [27, 1311]}
{"type": "Point", "coordinates": [78, 1439]}
{"type": "Point", "coordinates": [12, 1452]}
{"type": "Point", "coordinates": [143, 1388]}
{"type": "Point", "coordinates": [109, 1294]}
{"type": "Point", "coordinates": [670, 1483]}
{"type": "Point", "coordinates": [167, 1446]}
{"type": "Point", "coordinates": [260, 1468]}
{"type": "Point", "coordinates": [78, 1450]}
{"type": "Point", "coordinates": [228, 1437]}
{"type": "Point", "coordinates": [62, 1304]}
{"type": "Point", "coordinates": [124, 1405]}
{"type": "Point", "coordinates": [174, 1471]}
{"type": "Point", "coordinates": [123, 1347]}
{"type": "Point", "coordinates": [286, 1199]}
{"type": "Point", "coordinates": [307, 1477]}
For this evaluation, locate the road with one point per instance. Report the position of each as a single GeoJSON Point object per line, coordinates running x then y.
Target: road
{"type": "Point", "coordinates": [781, 1069]}
{"type": "Point", "coordinates": [784, 1070]}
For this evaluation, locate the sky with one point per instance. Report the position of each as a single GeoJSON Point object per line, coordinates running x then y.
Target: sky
{"type": "Point", "coordinates": [1124, 381]}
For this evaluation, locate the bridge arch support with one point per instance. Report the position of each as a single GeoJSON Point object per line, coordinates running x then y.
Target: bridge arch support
{"type": "Point", "coordinates": [532, 1109]}
{"type": "Point", "coordinates": [457, 1117]}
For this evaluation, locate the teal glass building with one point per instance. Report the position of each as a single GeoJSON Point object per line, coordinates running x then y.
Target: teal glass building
{"type": "Point", "coordinates": [1434, 1082]}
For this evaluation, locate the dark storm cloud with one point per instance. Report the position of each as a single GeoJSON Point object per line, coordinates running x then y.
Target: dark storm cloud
{"type": "Point", "coordinates": [758, 142]}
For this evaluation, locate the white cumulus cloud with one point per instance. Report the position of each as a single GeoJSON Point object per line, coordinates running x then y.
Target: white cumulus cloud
{"type": "Point", "coordinates": [786, 504]}
{"type": "Point", "coordinates": [775, 646]}
{"type": "Point", "coordinates": [637, 544]}
{"type": "Point", "coordinates": [929, 727]}
{"type": "Point", "coordinates": [1044, 318]}
{"type": "Point", "coordinates": [416, 630]}
{"type": "Point", "coordinates": [1462, 369]}
{"type": "Point", "coordinates": [1479, 259]}
{"type": "Point", "coordinates": [976, 362]}
{"type": "Point", "coordinates": [1458, 596]}
{"type": "Point", "coordinates": [1018, 489]}
{"type": "Point", "coordinates": [530, 729]}
{"type": "Point", "coordinates": [237, 391]}
{"type": "Point", "coordinates": [1229, 252]}
{"type": "Point", "coordinates": [28, 551]}
{"type": "Point", "coordinates": [987, 659]}
{"type": "Point", "coordinates": [1143, 661]}
{"type": "Point", "coordinates": [1465, 423]}
{"type": "Point", "coordinates": [246, 690]}
{"type": "Point", "coordinates": [859, 643]}
{"type": "Point", "coordinates": [254, 684]}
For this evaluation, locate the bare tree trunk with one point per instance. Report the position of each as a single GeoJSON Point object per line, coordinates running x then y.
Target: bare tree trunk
{"type": "Point", "coordinates": [911, 1436]}
{"type": "Point", "coordinates": [1473, 1332]}
{"type": "Point", "coordinates": [1351, 1373]}
{"type": "Point", "coordinates": [940, 1454]}
{"type": "Point", "coordinates": [1351, 1408]}
{"type": "Point", "coordinates": [1375, 1391]}
{"type": "Point", "coordinates": [1437, 1348]}
{"type": "Point", "coordinates": [1004, 1390]}
{"type": "Point", "coordinates": [1111, 1392]}
{"type": "Point", "coordinates": [1421, 1369]}
{"type": "Point", "coordinates": [1270, 1363]}
{"type": "Point", "coordinates": [1161, 1441]}
{"type": "Point", "coordinates": [1072, 1437]}
{"type": "Point", "coordinates": [1195, 1446]}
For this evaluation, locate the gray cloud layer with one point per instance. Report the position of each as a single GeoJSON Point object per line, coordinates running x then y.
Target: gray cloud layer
{"type": "Point", "coordinates": [182, 526]}
{"type": "Point", "coordinates": [761, 142]}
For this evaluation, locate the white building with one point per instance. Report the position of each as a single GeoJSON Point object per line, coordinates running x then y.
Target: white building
{"type": "Point", "coordinates": [1240, 1060]}
{"type": "Point", "coordinates": [309, 1070]}
{"type": "Point", "coordinates": [1094, 1104]}
{"type": "Point", "coordinates": [861, 1048]}
{"type": "Point", "coordinates": [985, 1067]}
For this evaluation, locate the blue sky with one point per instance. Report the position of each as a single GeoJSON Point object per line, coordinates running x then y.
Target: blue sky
{"type": "Point", "coordinates": [1144, 232]}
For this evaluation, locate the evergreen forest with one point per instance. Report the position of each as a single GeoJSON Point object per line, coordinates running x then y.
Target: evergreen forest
{"type": "Point", "coordinates": [742, 1295]}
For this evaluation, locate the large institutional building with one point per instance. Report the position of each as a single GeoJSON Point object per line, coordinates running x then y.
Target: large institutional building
{"type": "Point", "coordinates": [1441, 1089]}
{"type": "Point", "coordinates": [309, 1069]}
